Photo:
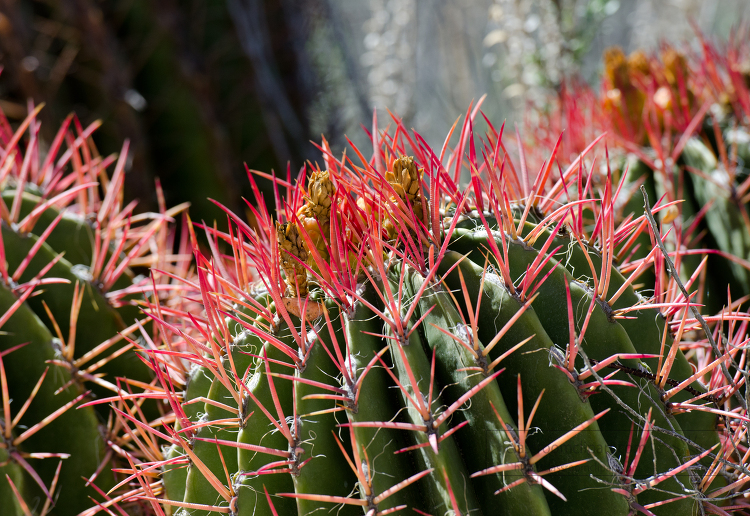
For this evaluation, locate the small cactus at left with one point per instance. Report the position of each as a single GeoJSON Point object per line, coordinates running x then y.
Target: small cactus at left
{"type": "Point", "coordinates": [67, 245]}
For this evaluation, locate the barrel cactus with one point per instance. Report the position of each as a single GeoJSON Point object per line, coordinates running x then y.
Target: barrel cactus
{"type": "Point", "coordinates": [67, 314]}
{"type": "Point", "coordinates": [677, 122]}
{"type": "Point", "coordinates": [390, 339]}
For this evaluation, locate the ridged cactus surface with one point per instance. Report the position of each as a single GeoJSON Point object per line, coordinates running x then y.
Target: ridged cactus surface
{"type": "Point", "coordinates": [391, 341]}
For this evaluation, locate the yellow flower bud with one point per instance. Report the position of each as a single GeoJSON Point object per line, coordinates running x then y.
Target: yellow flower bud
{"type": "Point", "coordinates": [406, 180]}
{"type": "Point", "coordinates": [291, 244]}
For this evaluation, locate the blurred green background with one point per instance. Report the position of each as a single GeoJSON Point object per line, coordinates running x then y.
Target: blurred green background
{"type": "Point", "coordinates": [201, 87]}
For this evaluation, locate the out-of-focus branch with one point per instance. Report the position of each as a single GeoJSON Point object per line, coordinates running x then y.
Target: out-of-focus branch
{"type": "Point", "coordinates": [277, 111]}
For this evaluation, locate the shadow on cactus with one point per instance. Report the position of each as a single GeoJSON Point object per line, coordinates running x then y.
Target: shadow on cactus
{"type": "Point", "coordinates": [69, 322]}
{"type": "Point", "coordinates": [392, 340]}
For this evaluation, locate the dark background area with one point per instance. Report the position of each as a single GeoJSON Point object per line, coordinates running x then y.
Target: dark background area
{"type": "Point", "coordinates": [173, 78]}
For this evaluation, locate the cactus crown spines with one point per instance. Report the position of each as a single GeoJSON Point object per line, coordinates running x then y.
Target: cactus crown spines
{"type": "Point", "coordinates": [686, 143]}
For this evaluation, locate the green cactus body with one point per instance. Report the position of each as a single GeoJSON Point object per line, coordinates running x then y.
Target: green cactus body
{"type": "Point", "coordinates": [471, 448]}
{"type": "Point", "coordinates": [410, 359]}
{"type": "Point", "coordinates": [75, 432]}
{"type": "Point", "coordinates": [174, 476]}
{"type": "Point", "coordinates": [216, 457]}
{"type": "Point", "coordinates": [324, 468]}
{"type": "Point", "coordinates": [260, 431]}
{"type": "Point", "coordinates": [72, 234]}
{"type": "Point", "coordinates": [97, 319]}
{"type": "Point", "coordinates": [454, 363]}
{"type": "Point", "coordinates": [377, 402]}
{"type": "Point", "coordinates": [564, 408]}
{"type": "Point", "coordinates": [15, 473]}
{"type": "Point", "coordinates": [603, 338]}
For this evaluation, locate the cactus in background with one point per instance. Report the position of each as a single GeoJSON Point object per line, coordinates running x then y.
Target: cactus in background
{"type": "Point", "coordinates": [392, 340]}
{"type": "Point", "coordinates": [699, 100]}
{"type": "Point", "coordinates": [678, 122]}
{"type": "Point", "coordinates": [67, 297]}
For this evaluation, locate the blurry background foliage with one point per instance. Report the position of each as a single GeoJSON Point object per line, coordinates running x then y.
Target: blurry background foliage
{"type": "Point", "coordinates": [199, 87]}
